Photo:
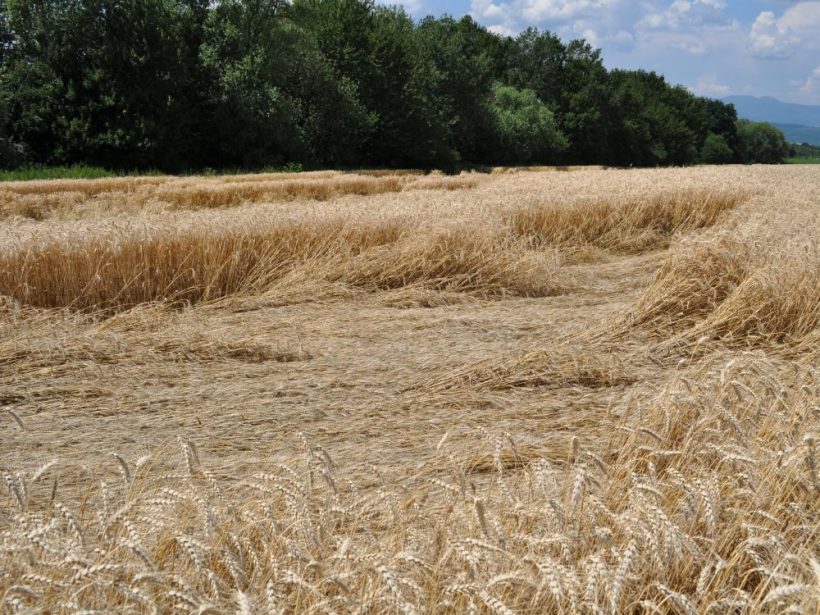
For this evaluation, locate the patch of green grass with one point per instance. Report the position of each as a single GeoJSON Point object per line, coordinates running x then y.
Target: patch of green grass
{"type": "Point", "coordinates": [71, 172]}
{"type": "Point", "coordinates": [802, 160]}
{"type": "Point", "coordinates": [290, 167]}
{"type": "Point", "coordinates": [79, 171]}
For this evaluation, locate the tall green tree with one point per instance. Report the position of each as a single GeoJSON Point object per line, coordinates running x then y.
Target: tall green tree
{"type": "Point", "coordinates": [412, 127]}
{"type": "Point", "coordinates": [760, 142]}
{"type": "Point", "coordinates": [31, 93]}
{"type": "Point", "coordinates": [182, 84]}
{"type": "Point", "coordinates": [526, 129]}
{"type": "Point", "coordinates": [333, 121]}
{"type": "Point", "coordinates": [252, 121]}
{"type": "Point", "coordinates": [537, 61]}
{"type": "Point", "coordinates": [464, 62]}
{"type": "Point", "coordinates": [376, 48]}
{"type": "Point", "coordinates": [143, 89]}
{"type": "Point", "coordinates": [716, 150]}
{"type": "Point", "coordinates": [103, 81]}
{"type": "Point", "coordinates": [572, 81]}
{"type": "Point", "coordinates": [651, 123]}
{"type": "Point", "coordinates": [11, 155]}
{"type": "Point", "coordinates": [278, 97]}
{"type": "Point", "coordinates": [585, 112]}
{"type": "Point", "coordinates": [722, 121]}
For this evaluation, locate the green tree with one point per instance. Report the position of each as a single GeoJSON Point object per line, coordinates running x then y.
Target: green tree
{"type": "Point", "coordinates": [333, 121]}
{"type": "Point", "coordinates": [252, 121]}
{"type": "Point", "coordinates": [585, 113]}
{"type": "Point", "coordinates": [525, 126]}
{"type": "Point", "coordinates": [342, 30]}
{"type": "Point", "coordinates": [463, 61]}
{"type": "Point", "coordinates": [761, 142]}
{"type": "Point", "coordinates": [183, 84]}
{"type": "Point", "coordinates": [537, 61]}
{"type": "Point", "coordinates": [10, 154]}
{"type": "Point", "coordinates": [101, 81]}
{"type": "Point", "coordinates": [412, 127]}
{"type": "Point", "coordinates": [722, 121]}
{"type": "Point", "coordinates": [278, 97]}
{"type": "Point", "coordinates": [651, 122]}
{"type": "Point", "coordinates": [143, 88]}
{"type": "Point", "coordinates": [395, 74]}
{"type": "Point", "coordinates": [30, 91]}
{"type": "Point", "coordinates": [716, 150]}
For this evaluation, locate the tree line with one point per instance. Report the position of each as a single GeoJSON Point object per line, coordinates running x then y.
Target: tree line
{"type": "Point", "coordinates": [191, 84]}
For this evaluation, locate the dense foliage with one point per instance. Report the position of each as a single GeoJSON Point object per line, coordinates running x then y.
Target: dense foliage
{"type": "Point", "coordinates": [805, 151]}
{"type": "Point", "coordinates": [192, 84]}
{"type": "Point", "coordinates": [761, 142]}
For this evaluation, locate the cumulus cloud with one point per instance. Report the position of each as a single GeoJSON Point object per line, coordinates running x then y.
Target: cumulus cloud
{"type": "Point", "coordinates": [811, 86]}
{"type": "Point", "coordinates": [541, 11]}
{"type": "Point", "coordinates": [623, 38]}
{"type": "Point", "coordinates": [601, 22]}
{"type": "Point", "coordinates": [694, 27]}
{"type": "Point", "coordinates": [769, 39]}
{"type": "Point", "coordinates": [685, 14]}
{"type": "Point", "coordinates": [568, 17]}
{"type": "Point", "coordinates": [562, 10]}
{"type": "Point", "coordinates": [797, 30]}
{"type": "Point", "coordinates": [708, 85]}
{"type": "Point", "coordinates": [684, 25]}
{"type": "Point", "coordinates": [715, 47]}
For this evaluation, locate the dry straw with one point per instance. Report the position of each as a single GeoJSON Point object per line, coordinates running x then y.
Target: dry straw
{"type": "Point", "coordinates": [623, 226]}
{"type": "Point", "coordinates": [731, 519]}
{"type": "Point", "coordinates": [634, 431]}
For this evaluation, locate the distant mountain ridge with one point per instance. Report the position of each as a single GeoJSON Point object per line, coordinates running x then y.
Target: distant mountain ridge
{"type": "Point", "coordinates": [796, 133]}
{"type": "Point", "coordinates": [775, 111]}
{"type": "Point", "coordinates": [800, 123]}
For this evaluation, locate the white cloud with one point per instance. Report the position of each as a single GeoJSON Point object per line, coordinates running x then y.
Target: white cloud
{"type": "Point", "coordinates": [622, 39]}
{"type": "Point", "coordinates": [768, 39]}
{"type": "Point", "coordinates": [811, 86]}
{"type": "Point", "coordinates": [501, 30]}
{"type": "Point", "coordinates": [797, 30]}
{"type": "Point", "coordinates": [541, 11]}
{"type": "Point", "coordinates": [694, 27]}
{"type": "Point", "coordinates": [562, 10]}
{"type": "Point", "coordinates": [681, 25]}
{"type": "Point", "coordinates": [496, 16]}
{"type": "Point", "coordinates": [684, 14]}
{"type": "Point", "coordinates": [413, 7]}
{"type": "Point", "coordinates": [562, 16]}
{"type": "Point", "coordinates": [590, 35]}
{"type": "Point", "coordinates": [708, 85]}
{"type": "Point", "coordinates": [699, 43]}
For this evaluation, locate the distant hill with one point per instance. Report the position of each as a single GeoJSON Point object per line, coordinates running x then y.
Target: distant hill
{"type": "Point", "coordinates": [800, 134]}
{"type": "Point", "coordinates": [775, 111]}
{"type": "Point", "coordinates": [800, 123]}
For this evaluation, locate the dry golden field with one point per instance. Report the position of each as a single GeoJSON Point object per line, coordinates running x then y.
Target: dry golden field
{"type": "Point", "coordinates": [527, 391]}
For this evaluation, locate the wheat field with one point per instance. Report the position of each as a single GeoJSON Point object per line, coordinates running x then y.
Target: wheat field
{"type": "Point", "coordinates": [527, 391]}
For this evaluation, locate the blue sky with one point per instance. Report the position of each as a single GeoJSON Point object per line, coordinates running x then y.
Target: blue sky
{"type": "Point", "coordinates": [713, 47]}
